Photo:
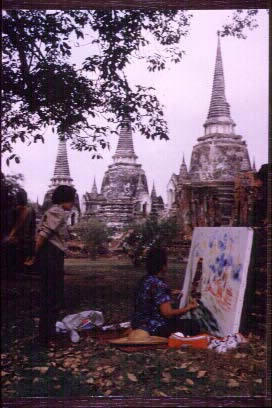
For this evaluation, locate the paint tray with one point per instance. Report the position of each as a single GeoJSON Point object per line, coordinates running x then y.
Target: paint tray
{"type": "Point", "coordinates": [200, 341]}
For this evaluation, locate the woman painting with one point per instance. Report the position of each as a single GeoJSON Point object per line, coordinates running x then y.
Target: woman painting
{"type": "Point", "coordinates": [153, 309]}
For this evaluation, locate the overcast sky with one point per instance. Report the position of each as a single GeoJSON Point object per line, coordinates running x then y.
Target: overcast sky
{"type": "Point", "coordinates": [185, 91]}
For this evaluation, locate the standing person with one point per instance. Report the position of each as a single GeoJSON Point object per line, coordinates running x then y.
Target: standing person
{"type": "Point", "coordinates": [153, 309]}
{"type": "Point", "coordinates": [50, 249]}
{"type": "Point", "coordinates": [21, 238]}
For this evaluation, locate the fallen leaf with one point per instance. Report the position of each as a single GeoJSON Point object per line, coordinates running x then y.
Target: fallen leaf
{"type": "Point", "coordinates": [57, 387]}
{"type": "Point", "coordinates": [192, 370]}
{"type": "Point", "coordinates": [109, 370]}
{"type": "Point", "coordinates": [108, 392]}
{"type": "Point", "coordinates": [42, 370]}
{"type": "Point", "coordinates": [100, 368]}
{"type": "Point", "coordinates": [189, 381]}
{"type": "Point", "coordinates": [132, 377]}
{"type": "Point", "coordinates": [158, 393]}
{"type": "Point", "coordinates": [90, 381]}
{"type": "Point", "coordinates": [4, 373]}
{"type": "Point", "coordinates": [182, 388]}
{"type": "Point", "coordinates": [240, 355]}
{"type": "Point", "coordinates": [233, 383]}
{"type": "Point", "coordinates": [184, 365]}
{"type": "Point", "coordinates": [166, 377]}
{"type": "Point", "coordinates": [258, 381]}
{"type": "Point", "coordinates": [201, 373]}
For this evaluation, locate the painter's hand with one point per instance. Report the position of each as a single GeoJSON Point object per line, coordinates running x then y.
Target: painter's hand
{"type": "Point", "coordinates": [176, 292]}
{"type": "Point", "coordinates": [192, 304]}
{"type": "Point", "coordinates": [29, 261]}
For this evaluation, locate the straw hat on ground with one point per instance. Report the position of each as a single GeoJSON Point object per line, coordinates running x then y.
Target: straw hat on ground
{"type": "Point", "coordinates": [139, 337]}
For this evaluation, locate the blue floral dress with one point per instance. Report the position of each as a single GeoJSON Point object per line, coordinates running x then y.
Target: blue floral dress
{"type": "Point", "coordinates": [151, 293]}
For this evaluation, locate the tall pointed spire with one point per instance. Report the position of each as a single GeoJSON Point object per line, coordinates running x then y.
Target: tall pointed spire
{"type": "Point", "coordinates": [219, 119]}
{"type": "Point", "coordinates": [153, 192]}
{"type": "Point", "coordinates": [183, 172]}
{"type": "Point", "coordinates": [218, 105]}
{"type": "Point", "coordinates": [61, 176]}
{"type": "Point", "coordinates": [94, 188]}
{"type": "Point", "coordinates": [254, 166]}
{"type": "Point", "coordinates": [62, 171]}
{"type": "Point", "coordinates": [125, 149]}
{"type": "Point", "coordinates": [62, 165]}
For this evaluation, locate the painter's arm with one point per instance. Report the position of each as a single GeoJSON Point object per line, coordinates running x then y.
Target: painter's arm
{"type": "Point", "coordinates": [168, 312]}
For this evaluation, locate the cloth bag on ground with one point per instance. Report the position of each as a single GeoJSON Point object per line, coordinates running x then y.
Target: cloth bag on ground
{"type": "Point", "coordinates": [73, 323]}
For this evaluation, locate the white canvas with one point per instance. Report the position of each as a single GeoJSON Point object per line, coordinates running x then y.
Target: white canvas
{"type": "Point", "coordinates": [225, 253]}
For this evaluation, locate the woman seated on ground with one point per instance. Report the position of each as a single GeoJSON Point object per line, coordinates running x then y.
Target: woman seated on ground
{"type": "Point", "coordinates": [153, 309]}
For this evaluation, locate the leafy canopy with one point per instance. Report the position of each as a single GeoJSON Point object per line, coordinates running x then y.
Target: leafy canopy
{"type": "Point", "coordinates": [9, 186]}
{"type": "Point", "coordinates": [44, 86]}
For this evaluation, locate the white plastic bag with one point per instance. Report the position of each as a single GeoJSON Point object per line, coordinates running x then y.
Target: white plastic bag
{"type": "Point", "coordinates": [71, 323]}
{"type": "Point", "coordinates": [74, 336]}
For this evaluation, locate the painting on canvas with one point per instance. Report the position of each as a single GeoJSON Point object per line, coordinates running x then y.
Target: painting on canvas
{"type": "Point", "coordinates": [225, 255]}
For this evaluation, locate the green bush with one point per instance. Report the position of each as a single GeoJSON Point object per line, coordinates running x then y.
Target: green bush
{"type": "Point", "coordinates": [153, 232]}
{"type": "Point", "coordinates": [95, 235]}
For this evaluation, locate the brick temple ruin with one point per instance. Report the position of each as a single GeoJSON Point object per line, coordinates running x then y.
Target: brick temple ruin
{"type": "Point", "coordinates": [124, 197]}
{"type": "Point", "coordinates": [221, 187]}
{"type": "Point", "coordinates": [62, 176]}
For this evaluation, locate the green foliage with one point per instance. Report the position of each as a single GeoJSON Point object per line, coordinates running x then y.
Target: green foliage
{"type": "Point", "coordinates": [94, 234]}
{"type": "Point", "coordinates": [42, 86]}
{"type": "Point", "coordinates": [241, 20]}
{"type": "Point", "coordinates": [10, 184]}
{"type": "Point", "coordinates": [153, 232]}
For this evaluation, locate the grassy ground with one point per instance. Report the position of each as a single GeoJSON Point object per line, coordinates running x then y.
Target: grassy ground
{"type": "Point", "coordinates": [90, 368]}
